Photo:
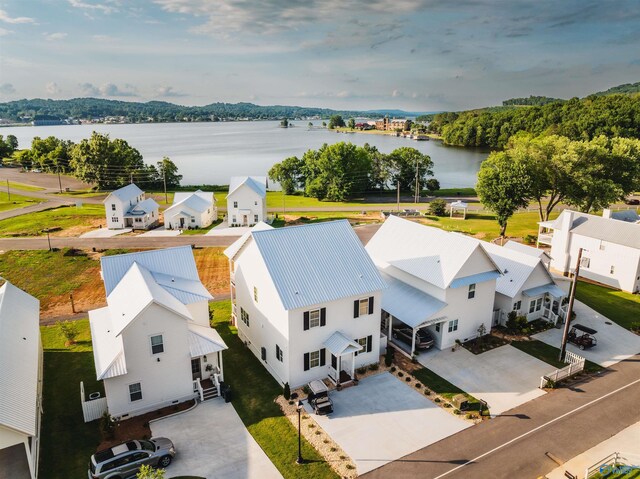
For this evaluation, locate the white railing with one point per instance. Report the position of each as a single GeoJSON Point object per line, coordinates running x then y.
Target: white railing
{"type": "Point", "coordinates": [572, 358]}
{"type": "Point", "coordinates": [216, 380]}
{"type": "Point", "coordinates": [94, 408]}
{"type": "Point", "coordinates": [576, 364]}
{"type": "Point", "coordinates": [549, 315]}
{"type": "Point", "coordinates": [608, 465]}
{"type": "Point", "coordinates": [197, 389]}
{"type": "Point", "coordinates": [545, 238]}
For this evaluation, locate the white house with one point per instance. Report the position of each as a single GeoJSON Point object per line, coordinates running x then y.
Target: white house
{"type": "Point", "coordinates": [20, 383]}
{"type": "Point", "coordinates": [442, 281]}
{"type": "Point", "coordinates": [152, 344]}
{"type": "Point", "coordinates": [191, 210]}
{"type": "Point", "coordinates": [128, 208]}
{"type": "Point", "coordinates": [306, 301]}
{"type": "Point", "coordinates": [525, 286]}
{"type": "Point", "coordinates": [530, 250]}
{"type": "Point", "coordinates": [247, 200]}
{"type": "Point", "coordinates": [611, 248]}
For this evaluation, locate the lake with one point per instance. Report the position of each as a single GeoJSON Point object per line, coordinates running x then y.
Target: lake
{"type": "Point", "coordinates": [210, 153]}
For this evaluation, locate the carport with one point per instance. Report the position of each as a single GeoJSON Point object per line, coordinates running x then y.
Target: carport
{"type": "Point", "coordinates": [410, 306]}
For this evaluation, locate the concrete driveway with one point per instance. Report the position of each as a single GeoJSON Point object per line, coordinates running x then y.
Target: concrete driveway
{"type": "Point", "coordinates": [105, 233]}
{"type": "Point", "coordinates": [212, 442]}
{"type": "Point", "coordinates": [223, 229]}
{"type": "Point", "coordinates": [505, 377]}
{"type": "Point", "coordinates": [382, 419]}
{"type": "Point", "coordinates": [614, 342]}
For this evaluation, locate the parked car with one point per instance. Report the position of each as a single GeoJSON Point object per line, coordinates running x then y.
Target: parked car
{"type": "Point", "coordinates": [319, 398]}
{"type": "Point", "coordinates": [424, 340]}
{"type": "Point", "coordinates": [632, 201]}
{"type": "Point", "coordinates": [582, 336]}
{"type": "Point", "coordinates": [124, 460]}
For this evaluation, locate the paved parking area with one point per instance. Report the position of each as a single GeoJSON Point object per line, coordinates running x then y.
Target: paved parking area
{"type": "Point", "coordinates": [382, 419]}
{"type": "Point", "coordinates": [614, 342]}
{"type": "Point", "coordinates": [212, 442]}
{"type": "Point", "coordinates": [160, 231]}
{"type": "Point", "coordinates": [105, 233]}
{"type": "Point", "coordinates": [505, 377]}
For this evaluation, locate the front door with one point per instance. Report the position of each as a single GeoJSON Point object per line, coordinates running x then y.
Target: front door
{"type": "Point", "coordinates": [245, 220]}
{"type": "Point", "coordinates": [195, 369]}
{"type": "Point", "coordinates": [333, 370]}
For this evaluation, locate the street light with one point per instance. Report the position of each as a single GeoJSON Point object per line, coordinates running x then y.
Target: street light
{"type": "Point", "coordinates": [299, 409]}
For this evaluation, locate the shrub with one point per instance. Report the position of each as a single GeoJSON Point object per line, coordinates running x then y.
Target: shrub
{"type": "Point", "coordinates": [550, 384]}
{"type": "Point", "coordinates": [349, 466]}
{"type": "Point", "coordinates": [427, 392]}
{"type": "Point", "coordinates": [333, 449]}
{"type": "Point", "coordinates": [408, 379]}
{"type": "Point", "coordinates": [456, 412]}
{"type": "Point", "coordinates": [468, 415]}
{"type": "Point", "coordinates": [107, 426]}
{"type": "Point", "coordinates": [393, 369]}
{"type": "Point", "coordinates": [530, 239]}
{"type": "Point", "coordinates": [635, 327]}
{"type": "Point", "coordinates": [311, 425]}
{"type": "Point", "coordinates": [436, 400]}
{"type": "Point", "coordinates": [447, 405]}
{"type": "Point", "coordinates": [400, 374]}
{"type": "Point", "coordinates": [418, 385]}
{"type": "Point", "coordinates": [361, 370]}
{"type": "Point", "coordinates": [286, 392]}
{"type": "Point", "coordinates": [388, 356]}
{"type": "Point", "coordinates": [306, 390]}
{"type": "Point", "coordinates": [318, 433]}
{"type": "Point", "coordinates": [516, 324]}
{"type": "Point", "coordinates": [438, 208]}
{"type": "Point", "coordinates": [69, 330]}
{"type": "Point", "coordinates": [374, 367]}
{"type": "Point", "coordinates": [148, 472]}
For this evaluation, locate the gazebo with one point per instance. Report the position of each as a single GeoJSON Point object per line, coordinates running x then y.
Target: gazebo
{"type": "Point", "coordinates": [458, 206]}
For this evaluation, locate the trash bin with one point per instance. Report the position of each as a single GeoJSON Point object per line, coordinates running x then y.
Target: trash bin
{"type": "Point", "coordinates": [227, 393]}
{"type": "Point", "coordinates": [460, 401]}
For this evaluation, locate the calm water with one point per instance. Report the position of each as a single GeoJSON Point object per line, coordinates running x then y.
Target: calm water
{"type": "Point", "coordinates": [210, 153]}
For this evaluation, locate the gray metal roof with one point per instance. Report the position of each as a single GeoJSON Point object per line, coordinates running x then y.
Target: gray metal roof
{"type": "Point", "coordinates": [197, 201]}
{"type": "Point", "coordinates": [208, 196]}
{"type": "Point", "coordinates": [143, 208]}
{"type": "Point", "coordinates": [256, 183]}
{"type": "Point", "coordinates": [604, 229]}
{"type": "Point", "coordinates": [126, 192]}
{"type": "Point", "coordinates": [526, 249]}
{"type": "Point", "coordinates": [317, 263]}
{"type": "Point", "coordinates": [410, 305]}
{"type": "Point", "coordinates": [339, 344]}
{"type": "Point", "coordinates": [19, 359]}
{"type": "Point", "coordinates": [203, 340]}
{"type": "Point", "coordinates": [237, 245]}
{"type": "Point", "coordinates": [552, 289]}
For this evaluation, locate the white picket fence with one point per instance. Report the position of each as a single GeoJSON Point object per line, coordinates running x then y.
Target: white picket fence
{"type": "Point", "coordinates": [93, 408]}
{"type": "Point", "coordinates": [574, 366]}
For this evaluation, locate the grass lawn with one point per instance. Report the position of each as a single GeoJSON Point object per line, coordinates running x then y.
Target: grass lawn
{"type": "Point", "coordinates": [23, 186]}
{"type": "Point", "coordinates": [443, 387]}
{"type": "Point", "coordinates": [66, 441]}
{"type": "Point", "coordinates": [254, 391]}
{"type": "Point", "coordinates": [65, 217]}
{"type": "Point", "coordinates": [620, 307]}
{"type": "Point", "coordinates": [549, 354]}
{"type": "Point", "coordinates": [307, 217]}
{"type": "Point", "coordinates": [454, 192]}
{"type": "Point", "coordinates": [633, 473]}
{"type": "Point", "coordinates": [17, 201]}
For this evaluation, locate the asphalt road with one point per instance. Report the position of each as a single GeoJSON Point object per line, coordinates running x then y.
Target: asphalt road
{"type": "Point", "coordinates": [521, 442]}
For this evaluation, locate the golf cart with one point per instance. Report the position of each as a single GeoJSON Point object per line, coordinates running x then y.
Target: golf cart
{"type": "Point", "coordinates": [319, 398]}
{"type": "Point", "coordinates": [582, 336]}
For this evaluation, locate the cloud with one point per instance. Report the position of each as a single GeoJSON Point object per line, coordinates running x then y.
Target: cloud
{"type": "Point", "coordinates": [168, 92]}
{"type": "Point", "coordinates": [4, 31]}
{"type": "Point", "coordinates": [52, 88]}
{"type": "Point", "coordinates": [7, 89]}
{"type": "Point", "coordinates": [107, 90]}
{"type": "Point", "coordinates": [4, 17]}
{"type": "Point", "coordinates": [52, 37]}
{"type": "Point", "coordinates": [101, 7]}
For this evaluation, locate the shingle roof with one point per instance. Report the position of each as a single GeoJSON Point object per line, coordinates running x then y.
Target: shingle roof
{"type": "Point", "coordinates": [256, 183]}
{"type": "Point", "coordinates": [431, 254]}
{"type": "Point", "coordinates": [605, 229]}
{"type": "Point", "coordinates": [19, 359]}
{"type": "Point", "coordinates": [198, 201]}
{"type": "Point", "coordinates": [126, 192]}
{"type": "Point", "coordinates": [317, 263]}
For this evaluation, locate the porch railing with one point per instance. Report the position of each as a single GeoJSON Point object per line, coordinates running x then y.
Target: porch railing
{"type": "Point", "coordinates": [197, 389]}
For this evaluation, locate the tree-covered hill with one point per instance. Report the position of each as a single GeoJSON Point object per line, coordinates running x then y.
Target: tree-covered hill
{"type": "Point", "coordinates": [627, 88]}
{"type": "Point", "coordinates": [531, 101]}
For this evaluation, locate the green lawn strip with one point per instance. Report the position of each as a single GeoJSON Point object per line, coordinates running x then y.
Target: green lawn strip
{"type": "Point", "coordinates": [44, 274]}
{"type": "Point", "coordinates": [453, 192]}
{"type": "Point", "coordinates": [17, 201]}
{"type": "Point", "coordinates": [549, 354]}
{"type": "Point", "coordinates": [22, 186]}
{"type": "Point", "coordinates": [444, 388]}
{"type": "Point", "coordinates": [254, 391]}
{"type": "Point", "coordinates": [201, 231]}
{"type": "Point", "coordinates": [620, 307]}
{"type": "Point", "coordinates": [320, 216]}
{"type": "Point", "coordinates": [633, 473]}
{"type": "Point", "coordinates": [84, 193]}
{"type": "Point", "coordinates": [34, 224]}
{"type": "Point", "coordinates": [66, 441]}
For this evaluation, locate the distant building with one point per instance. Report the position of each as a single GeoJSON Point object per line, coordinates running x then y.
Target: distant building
{"type": "Point", "coordinates": [191, 210]}
{"type": "Point", "coordinates": [128, 208]}
{"type": "Point", "coordinates": [385, 124]}
{"type": "Point", "coordinates": [247, 200]}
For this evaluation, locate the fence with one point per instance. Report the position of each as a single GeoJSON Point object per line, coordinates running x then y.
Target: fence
{"type": "Point", "coordinates": [576, 364]}
{"type": "Point", "coordinates": [615, 463]}
{"type": "Point", "coordinates": [93, 408]}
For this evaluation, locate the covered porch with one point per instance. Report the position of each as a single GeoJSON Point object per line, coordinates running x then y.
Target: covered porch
{"type": "Point", "coordinates": [404, 305]}
{"type": "Point", "coordinates": [545, 233]}
{"type": "Point", "coordinates": [342, 364]}
{"type": "Point", "coordinates": [207, 370]}
{"type": "Point", "coordinates": [548, 303]}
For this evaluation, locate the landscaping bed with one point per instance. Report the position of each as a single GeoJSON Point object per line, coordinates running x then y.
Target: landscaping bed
{"type": "Point", "coordinates": [486, 343]}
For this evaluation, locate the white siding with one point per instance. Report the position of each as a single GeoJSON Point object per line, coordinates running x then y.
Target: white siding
{"type": "Point", "coordinates": [246, 199]}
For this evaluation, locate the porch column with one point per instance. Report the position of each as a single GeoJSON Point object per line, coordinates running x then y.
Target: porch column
{"type": "Point", "coordinates": [220, 365]}
{"type": "Point", "coordinates": [390, 323]}
{"type": "Point", "coordinates": [413, 341]}
{"type": "Point", "coordinates": [339, 368]}
{"type": "Point", "coordinates": [353, 365]}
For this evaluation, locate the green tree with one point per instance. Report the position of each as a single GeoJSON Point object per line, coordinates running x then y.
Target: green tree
{"type": "Point", "coordinates": [438, 208]}
{"type": "Point", "coordinates": [289, 173]}
{"type": "Point", "coordinates": [69, 330]}
{"type": "Point", "coordinates": [284, 123]}
{"type": "Point", "coordinates": [5, 148]}
{"type": "Point", "coordinates": [503, 186]}
{"type": "Point", "coordinates": [432, 185]}
{"type": "Point", "coordinates": [12, 142]}
{"type": "Point", "coordinates": [168, 171]}
{"type": "Point", "coordinates": [51, 154]}
{"type": "Point", "coordinates": [336, 121]}
{"type": "Point", "coordinates": [351, 123]}
{"type": "Point", "coordinates": [405, 162]}
{"type": "Point", "coordinates": [380, 172]}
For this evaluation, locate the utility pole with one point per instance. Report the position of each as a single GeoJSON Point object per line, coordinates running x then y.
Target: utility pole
{"type": "Point", "coordinates": [572, 295]}
{"type": "Point", "coordinates": [398, 187]}
{"type": "Point", "coordinates": [417, 183]}
{"type": "Point", "coordinates": [59, 180]}
{"type": "Point", "coordinates": [131, 177]}
{"type": "Point", "coordinates": [8, 190]}
{"type": "Point", "coordinates": [164, 181]}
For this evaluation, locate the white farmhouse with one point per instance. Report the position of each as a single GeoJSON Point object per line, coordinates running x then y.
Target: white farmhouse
{"type": "Point", "coordinates": [306, 301]}
{"type": "Point", "coordinates": [442, 281]}
{"type": "Point", "coordinates": [525, 286]}
{"type": "Point", "coordinates": [611, 248]}
{"type": "Point", "coordinates": [20, 383]}
{"type": "Point", "coordinates": [247, 200]}
{"type": "Point", "coordinates": [152, 344]}
{"type": "Point", "coordinates": [191, 210]}
{"type": "Point", "coordinates": [128, 208]}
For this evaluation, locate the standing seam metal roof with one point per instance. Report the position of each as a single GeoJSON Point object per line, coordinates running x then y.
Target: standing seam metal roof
{"type": "Point", "coordinates": [256, 183]}
{"type": "Point", "coordinates": [604, 229]}
{"type": "Point", "coordinates": [126, 192]}
{"type": "Point", "coordinates": [317, 263]}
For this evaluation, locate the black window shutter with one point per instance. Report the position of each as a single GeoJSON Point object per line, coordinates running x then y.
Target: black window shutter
{"type": "Point", "coordinates": [263, 352]}
{"type": "Point", "coordinates": [334, 362]}
{"type": "Point", "coordinates": [356, 309]}
{"type": "Point", "coordinates": [322, 357]}
{"type": "Point", "coordinates": [306, 361]}
{"type": "Point", "coordinates": [323, 316]}
{"type": "Point", "coordinates": [369, 342]}
{"type": "Point", "coordinates": [371, 305]}
{"type": "Point", "coordinates": [306, 320]}
{"type": "Point", "coordinates": [277, 351]}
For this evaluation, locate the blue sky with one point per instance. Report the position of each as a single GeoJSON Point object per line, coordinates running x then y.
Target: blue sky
{"type": "Point", "coordinates": [419, 55]}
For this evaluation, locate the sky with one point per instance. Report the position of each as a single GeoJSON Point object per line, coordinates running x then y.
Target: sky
{"type": "Point", "coordinates": [416, 55]}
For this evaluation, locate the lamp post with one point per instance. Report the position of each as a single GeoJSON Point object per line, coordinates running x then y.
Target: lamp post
{"type": "Point", "coordinates": [299, 409]}
{"type": "Point", "coordinates": [572, 295]}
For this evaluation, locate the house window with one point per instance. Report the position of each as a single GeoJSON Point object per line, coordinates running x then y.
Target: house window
{"type": "Point", "coordinates": [255, 218]}
{"type": "Point", "coordinates": [314, 359]}
{"type": "Point", "coordinates": [114, 219]}
{"type": "Point", "coordinates": [138, 220]}
{"type": "Point", "coordinates": [538, 304]}
{"type": "Point", "coordinates": [255, 203]}
{"type": "Point", "coordinates": [135, 392]}
{"type": "Point", "coordinates": [157, 344]}
{"type": "Point", "coordinates": [472, 291]}
{"type": "Point", "coordinates": [314, 318]}
{"type": "Point", "coordinates": [437, 327]}
{"type": "Point", "coordinates": [585, 262]}
{"type": "Point", "coordinates": [517, 305]}
{"type": "Point", "coordinates": [233, 219]}
{"type": "Point", "coordinates": [612, 269]}
{"type": "Point", "coordinates": [193, 219]}
{"type": "Point", "coordinates": [362, 342]}
{"type": "Point", "coordinates": [235, 204]}
{"type": "Point", "coordinates": [113, 207]}
{"type": "Point", "coordinates": [363, 306]}
{"type": "Point", "coordinates": [279, 355]}
{"type": "Point", "coordinates": [244, 316]}
{"type": "Point", "coordinates": [532, 306]}
{"type": "Point", "coordinates": [453, 325]}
